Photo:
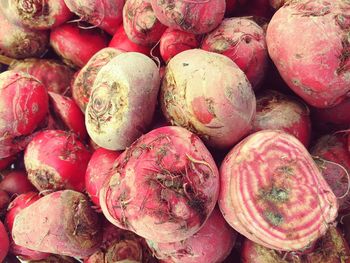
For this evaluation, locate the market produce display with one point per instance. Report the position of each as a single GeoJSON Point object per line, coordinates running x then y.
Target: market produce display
{"type": "Point", "coordinates": [187, 131]}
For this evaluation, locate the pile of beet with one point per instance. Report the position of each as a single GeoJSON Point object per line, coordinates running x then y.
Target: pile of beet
{"type": "Point", "coordinates": [189, 131]}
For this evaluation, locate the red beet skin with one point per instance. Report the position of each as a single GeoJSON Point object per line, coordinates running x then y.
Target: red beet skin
{"type": "Point", "coordinates": [211, 244]}
{"type": "Point", "coordinates": [16, 182]}
{"type": "Point", "coordinates": [334, 149]}
{"type": "Point", "coordinates": [17, 205]}
{"type": "Point", "coordinates": [99, 167]}
{"type": "Point", "coordinates": [5, 162]}
{"type": "Point", "coordinates": [280, 112]}
{"type": "Point", "coordinates": [76, 46]}
{"type": "Point", "coordinates": [121, 42]}
{"type": "Point", "coordinates": [315, 65]}
{"type": "Point", "coordinates": [24, 103]}
{"type": "Point", "coordinates": [163, 187]}
{"type": "Point", "coordinates": [55, 76]}
{"type": "Point", "coordinates": [4, 242]}
{"type": "Point", "coordinates": [4, 201]}
{"type": "Point", "coordinates": [56, 160]}
{"type": "Point", "coordinates": [67, 114]}
{"type": "Point", "coordinates": [243, 41]}
{"type": "Point", "coordinates": [174, 41]}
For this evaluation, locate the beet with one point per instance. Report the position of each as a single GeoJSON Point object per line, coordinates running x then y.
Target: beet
{"type": "Point", "coordinates": [16, 183]}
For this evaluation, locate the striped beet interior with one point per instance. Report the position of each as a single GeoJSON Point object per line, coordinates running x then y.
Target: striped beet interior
{"type": "Point", "coordinates": [273, 193]}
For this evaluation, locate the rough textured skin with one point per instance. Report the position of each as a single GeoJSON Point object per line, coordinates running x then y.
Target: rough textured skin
{"type": "Point", "coordinates": [55, 259]}
{"type": "Point", "coordinates": [85, 79]}
{"type": "Point", "coordinates": [332, 119]}
{"type": "Point", "coordinates": [121, 246]}
{"type": "Point", "coordinates": [36, 14]}
{"type": "Point", "coordinates": [105, 14]}
{"type": "Point", "coordinates": [276, 111]}
{"type": "Point", "coordinates": [123, 100]}
{"type": "Point", "coordinates": [243, 41]}
{"type": "Point", "coordinates": [121, 42]}
{"type": "Point", "coordinates": [174, 41]}
{"type": "Point", "coordinates": [220, 115]}
{"type": "Point", "coordinates": [55, 76]}
{"type": "Point", "coordinates": [18, 204]}
{"type": "Point", "coordinates": [211, 244]}
{"type": "Point", "coordinates": [24, 106]}
{"type": "Point", "coordinates": [76, 46]}
{"type": "Point", "coordinates": [314, 64]}
{"type": "Point", "coordinates": [163, 187]}
{"type": "Point", "coordinates": [99, 167]}
{"type": "Point", "coordinates": [67, 115]}
{"type": "Point", "coordinates": [334, 148]}
{"type": "Point", "coordinates": [331, 248]}
{"type": "Point", "coordinates": [16, 182]}
{"type": "Point", "coordinates": [4, 242]}
{"type": "Point", "coordinates": [65, 224]}
{"type": "Point", "coordinates": [56, 160]}
{"type": "Point", "coordinates": [17, 42]}
{"type": "Point", "coordinates": [273, 193]}
{"type": "Point", "coordinates": [140, 23]}
{"type": "Point", "coordinates": [193, 16]}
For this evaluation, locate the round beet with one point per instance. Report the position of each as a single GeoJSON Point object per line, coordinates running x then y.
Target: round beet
{"type": "Point", "coordinates": [174, 41]}
{"type": "Point", "coordinates": [163, 187]}
{"type": "Point", "coordinates": [16, 182]}
{"type": "Point", "coordinates": [314, 64]}
{"type": "Point", "coordinates": [67, 114]}
{"type": "Point", "coordinates": [209, 95]}
{"type": "Point", "coordinates": [276, 111]}
{"type": "Point", "coordinates": [140, 23]}
{"type": "Point", "coordinates": [4, 242]}
{"type": "Point", "coordinates": [243, 41]}
{"type": "Point", "coordinates": [24, 103]}
{"type": "Point", "coordinates": [121, 42]}
{"type": "Point", "coordinates": [193, 16]}
{"type": "Point", "coordinates": [55, 76]}
{"type": "Point", "coordinates": [105, 14]}
{"type": "Point", "coordinates": [82, 85]}
{"type": "Point", "coordinates": [211, 244]}
{"type": "Point", "coordinates": [18, 42]}
{"type": "Point", "coordinates": [56, 160]}
{"type": "Point", "coordinates": [99, 167]}
{"type": "Point", "coordinates": [18, 204]}
{"type": "Point", "coordinates": [75, 45]}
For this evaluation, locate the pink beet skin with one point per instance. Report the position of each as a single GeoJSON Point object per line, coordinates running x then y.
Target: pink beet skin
{"type": "Point", "coordinates": [56, 160]}
{"type": "Point", "coordinates": [243, 41]}
{"type": "Point", "coordinates": [16, 182]}
{"type": "Point", "coordinates": [105, 14]}
{"type": "Point", "coordinates": [174, 41]}
{"type": "Point", "coordinates": [67, 114]}
{"type": "Point", "coordinates": [54, 75]}
{"type": "Point", "coordinates": [120, 41]}
{"type": "Point", "coordinates": [99, 167]}
{"type": "Point", "coordinates": [333, 158]}
{"type": "Point", "coordinates": [75, 45]}
{"type": "Point", "coordinates": [24, 103]}
{"type": "Point", "coordinates": [211, 244]}
{"type": "Point", "coordinates": [4, 242]}
{"type": "Point", "coordinates": [18, 204]}
{"type": "Point", "coordinates": [38, 15]}
{"type": "Point", "coordinates": [163, 187]}
{"type": "Point", "coordinates": [315, 65]}
{"type": "Point", "coordinates": [140, 23]}
{"type": "Point", "coordinates": [280, 112]}
{"type": "Point", "coordinates": [197, 17]}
